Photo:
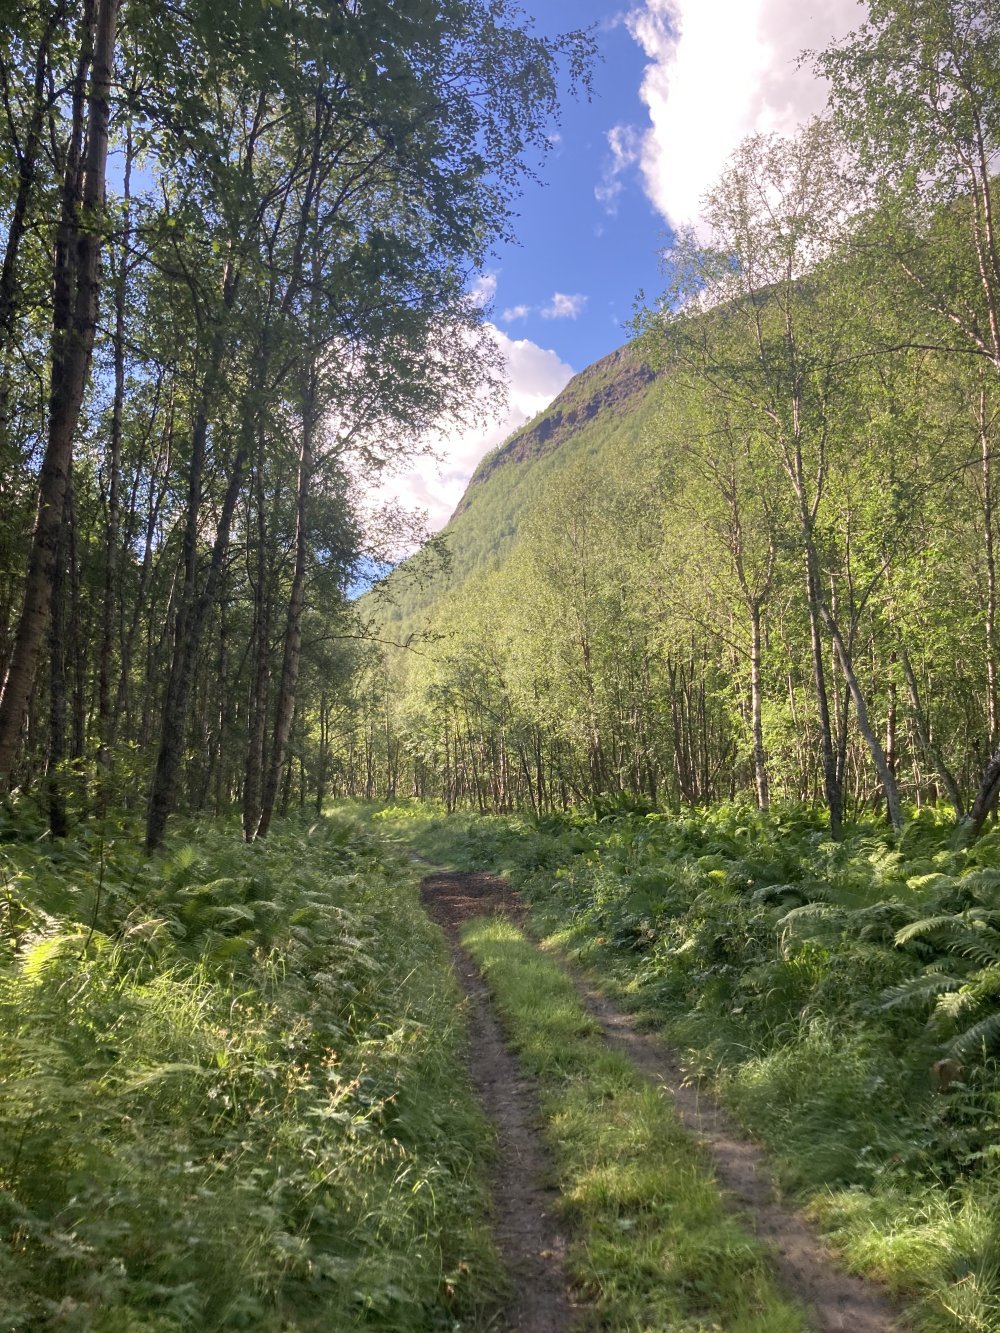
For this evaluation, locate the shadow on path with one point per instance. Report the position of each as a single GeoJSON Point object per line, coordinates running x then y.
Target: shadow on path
{"type": "Point", "coordinates": [526, 1228]}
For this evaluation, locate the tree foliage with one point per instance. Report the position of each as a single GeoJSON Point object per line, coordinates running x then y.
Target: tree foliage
{"type": "Point", "coordinates": [238, 244]}
{"type": "Point", "coordinates": [782, 580]}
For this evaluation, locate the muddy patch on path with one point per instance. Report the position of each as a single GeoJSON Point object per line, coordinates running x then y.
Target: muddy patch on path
{"type": "Point", "coordinates": [527, 1230]}
{"type": "Point", "coordinates": [835, 1301]}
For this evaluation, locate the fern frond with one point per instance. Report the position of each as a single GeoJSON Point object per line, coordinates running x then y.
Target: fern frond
{"type": "Point", "coordinates": [956, 1004]}
{"type": "Point", "coordinates": [42, 957]}
{"type": "Point", "coordinates": [820, 910]}
{"type": "Point", "coordinates": [880, 921]}
{"type": "Point", "coordinates": [941, 926]}
{"type": "Point", "coordinates": [919, 989]}
{"type": "Point", "coordinates": [984, 882]}
{"type": "Point", "coordinates": [934, 883]}
{"type": "Point", "coordinates": [983, 951]}
{"type": "Point", "coordinates": [183, 859]}
{"type": "Point", "coordinates": [982, 1035]}
{"type": "Point", "coordinates": [820, 922]}
{"type": "Point", "coordinates": [774, 893]}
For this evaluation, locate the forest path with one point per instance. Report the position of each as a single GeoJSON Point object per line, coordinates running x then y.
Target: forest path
{"type": "Point", "coordinates": [528, 1235]}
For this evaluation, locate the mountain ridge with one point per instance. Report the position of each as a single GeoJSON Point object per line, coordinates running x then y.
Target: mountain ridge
{"type": "Point", "coordinates": [612, 383]}
{"type": "Point", "coordinates": [606, 408]}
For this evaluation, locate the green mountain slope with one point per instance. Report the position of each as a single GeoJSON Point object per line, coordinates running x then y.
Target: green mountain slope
{"type": "Point", "coordinates": [604, 409]}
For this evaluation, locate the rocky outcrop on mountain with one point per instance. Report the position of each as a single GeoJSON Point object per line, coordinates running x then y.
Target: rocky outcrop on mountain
{"type": "Point", "coordinates": [609, 385]}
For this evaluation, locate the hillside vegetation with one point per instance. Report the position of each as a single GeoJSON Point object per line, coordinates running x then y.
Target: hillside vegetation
{"type": "Point", "coordinates": [771, 571]}
{"type": "Point", "coordinates": [600, 414]}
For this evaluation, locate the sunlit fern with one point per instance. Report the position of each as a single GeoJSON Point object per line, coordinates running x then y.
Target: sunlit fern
{"type": "Point", "coordinates": [962, 980]}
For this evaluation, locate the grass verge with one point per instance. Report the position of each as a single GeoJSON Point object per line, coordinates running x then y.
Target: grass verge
{"type": "Point", "coordinates": [655, 1247]}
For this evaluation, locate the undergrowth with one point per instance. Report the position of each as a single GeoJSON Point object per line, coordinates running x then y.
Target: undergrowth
{"type": "Point", "coordinates": [654, 1247]}
{"type": "Point", "coordinates": [231, 1092]}
{"type": "Point", "coordinates": [842, 998]}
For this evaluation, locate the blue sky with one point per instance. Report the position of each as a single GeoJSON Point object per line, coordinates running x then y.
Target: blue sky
{"type": "Point", "coordinates": [679, 84]}
{"type": "Point", "coordinates": [594, 252]}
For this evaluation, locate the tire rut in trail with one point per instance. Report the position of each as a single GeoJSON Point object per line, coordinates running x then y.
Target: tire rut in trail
{"type": "Point", "coordinates": [527, 1233]}
{"type": "Point", "coordinates": [835, 1301]}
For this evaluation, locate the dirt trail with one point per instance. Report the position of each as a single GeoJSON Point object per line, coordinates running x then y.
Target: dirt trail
{"type": "Point", "coordinates": [836, 1302]}
{"type": "Point", "coordinates": [527, 1231]}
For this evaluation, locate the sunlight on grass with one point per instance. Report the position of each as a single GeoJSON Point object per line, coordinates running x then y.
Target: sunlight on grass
{"type": "Point", "coordinates": [241, 1103]}
{"type": "Point", "coordinates": [654, 1247]}
{"type": "Point", "coordinates": [951, 1241]}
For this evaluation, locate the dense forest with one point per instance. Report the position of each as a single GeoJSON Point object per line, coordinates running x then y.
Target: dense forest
{"type": "Point", "coordinates": [237, 256]}
{"type": "Point", "coordinates": [236, 284]}
{"type": "Point", "coordinates": [774, 573]}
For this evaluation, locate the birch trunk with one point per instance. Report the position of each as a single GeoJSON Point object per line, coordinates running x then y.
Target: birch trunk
{"type": "Point", "coordinates": [75, 305]}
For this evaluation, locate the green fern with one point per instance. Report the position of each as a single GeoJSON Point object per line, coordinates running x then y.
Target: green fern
{"type": "Point", "coordinates": [983, 882]}
{"type": "Point", "coordinates": [780, 895]}
{"type": "Point", "coordinates": [983, 1037]}
{"type": "Point", "coordinates": [919, 989]}
{"type": "Point", "coordinates": [956, 927]}
{"type": "Point", "coordinates": [42, 956]}
{"type": "Point", "coordinates": [963, 980]}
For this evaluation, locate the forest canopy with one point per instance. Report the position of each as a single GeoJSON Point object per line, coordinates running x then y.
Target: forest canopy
{"type": "Point", "coordinates": [773, 577]}
{"type": "Point", "coordinates": [238, 280]}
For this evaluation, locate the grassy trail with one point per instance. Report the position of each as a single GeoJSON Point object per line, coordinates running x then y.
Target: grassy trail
{"type": "Point", "coordinates": [838, 998]}
{"type": "Point", "coordinates": [654, 1243]}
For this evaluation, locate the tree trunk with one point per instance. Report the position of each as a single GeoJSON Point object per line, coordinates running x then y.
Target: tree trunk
{"type": "Point", "coordinates": [831, 777]}
{"type": "Point", "coordinates": [187, 644]}
{"type": "Point", "coordinates": [75, 303]}
{"type": "Point", "coordinates": [759, 759]}
{"type": "Point", "coordinates": [292, 650]}
{"type": "Point", "coordinates": [260, 690]}
{"type": "Point", "coordinates": [56, 796]}
{"type": "Point", "coordinates": [76, 637]}
{"type": "Point", "coordinates": [992, 718]}
{"type": "Point", "coordinates": [922, 729]}
{"type": "Point", "coordinates": [971, 827]}
{"type": "Point", "coordinates": [105, 725]}
{"type": "Point", "coordinates": [27, 167]}
{"type": "Point", "coordinates": [886, 776]}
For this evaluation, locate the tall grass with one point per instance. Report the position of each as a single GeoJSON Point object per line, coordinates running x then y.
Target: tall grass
{"type": "Point", "coordinates": [231, 1091]}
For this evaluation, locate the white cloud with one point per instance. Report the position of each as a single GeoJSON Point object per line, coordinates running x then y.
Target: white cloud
{"type": "Point", "coordinates": [564, 307]}
{"type": "Point", "coordinates": [625, 143]}
{"type": "Point", "coordinates": [483, 288]}
{"type": "Point", "coordinates": [535, 376]}
{"type": "Point", "coordinates": [720, 70]}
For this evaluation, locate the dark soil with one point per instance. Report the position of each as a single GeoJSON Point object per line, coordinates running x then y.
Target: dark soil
{"type": "Point", "coordinates": [836, 1302]}
{"type": "Point", "coordinates": [527, 1230]}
